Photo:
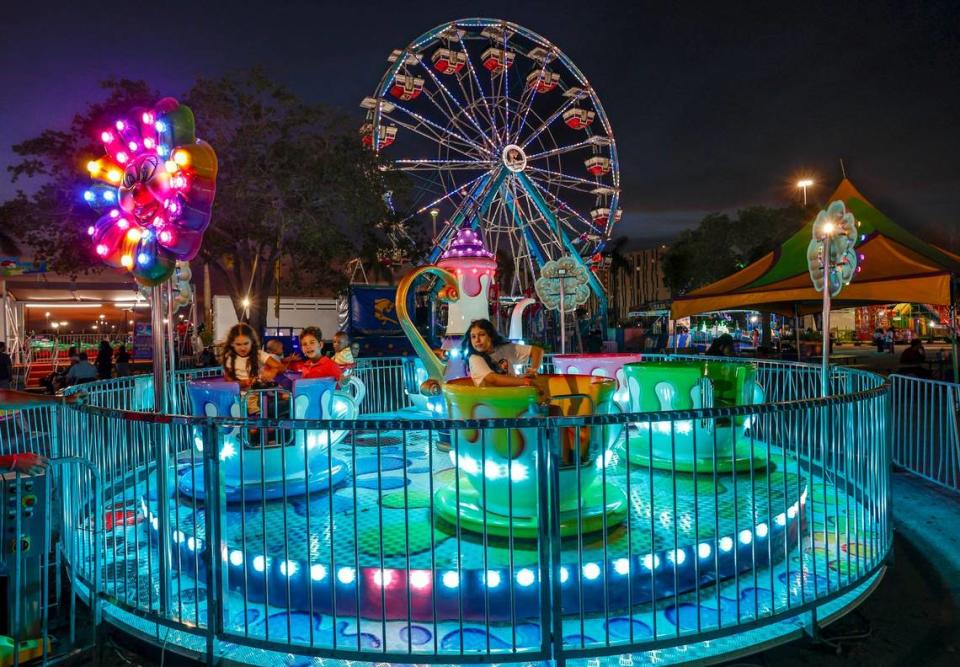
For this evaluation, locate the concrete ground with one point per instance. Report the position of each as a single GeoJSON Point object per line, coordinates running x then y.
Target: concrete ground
{"type": "Point", "coordinates": [866, 356]}
{"type": "Point", "coordinates": [913, 618]}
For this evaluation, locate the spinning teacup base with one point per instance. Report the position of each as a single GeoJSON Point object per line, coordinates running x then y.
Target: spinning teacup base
{"type": "Point", "coordinates": [326, 476]}
{"type": "Point", "coordinates": [742, 460]}
{"type": "Point", "coordinates": [589, 518]}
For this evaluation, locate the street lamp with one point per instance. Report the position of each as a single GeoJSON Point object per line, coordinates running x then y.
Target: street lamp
{"type": "Point", "coordinates": [434, 212]}
{"type": "Point", "coordinates": [803, 184]}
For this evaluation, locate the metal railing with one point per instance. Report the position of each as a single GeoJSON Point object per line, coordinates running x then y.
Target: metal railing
{"type": "Point", "coordinates": [926, 429]}
{"type": "Point", "coordinates": [381, 568]}
{"type": "Point", "coordinates": [45, 529]}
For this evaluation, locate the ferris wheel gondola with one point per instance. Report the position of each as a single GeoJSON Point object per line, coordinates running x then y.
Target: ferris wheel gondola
{"type": "Point", "coordinates": [500, 132]}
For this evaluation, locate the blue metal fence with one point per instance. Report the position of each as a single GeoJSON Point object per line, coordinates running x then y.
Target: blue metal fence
{"type": "Point", "coordinates": [397, 564]}
{"type": "Point", "coordinates": [926, 429]}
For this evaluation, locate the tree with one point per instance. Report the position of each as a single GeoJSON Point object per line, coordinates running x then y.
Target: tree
{"type": "Point", "coordinates": [720, 246]}
{"type": "Point", "coordinates": [619, 263]}
{"type": "Point", "coordinates": [54, 219]}
{"type": "Point", "coordinates": [295, 187]}
{"type": "Point", "coordinates": [295, 183]}
{"type": "Point", "coordinates": [10, 211]}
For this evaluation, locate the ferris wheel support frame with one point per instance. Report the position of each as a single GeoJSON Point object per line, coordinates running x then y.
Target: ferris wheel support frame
{"type": "Point", "coordinates": [592, 279]}
{"type": "Point", "coordinates": [524, 229]}
{"type": "Point", "coordinates": [492, 186]}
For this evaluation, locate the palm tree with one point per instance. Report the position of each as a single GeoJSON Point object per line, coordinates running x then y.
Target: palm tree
{"type": "Point", "coordinates": [618, 264]}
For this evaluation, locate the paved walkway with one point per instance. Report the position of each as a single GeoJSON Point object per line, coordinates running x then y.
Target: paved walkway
{"type": "Point", "coordinates": [928, 517]}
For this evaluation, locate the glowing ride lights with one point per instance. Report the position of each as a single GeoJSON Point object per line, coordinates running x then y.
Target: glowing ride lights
{"type": "Point", "coordinates": [154, 189]}
{"type": "Point", "coordinates": [474, 266]}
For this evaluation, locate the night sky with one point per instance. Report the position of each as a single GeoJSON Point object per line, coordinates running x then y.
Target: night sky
{"type": "Point", "coordinates": [713, 108]}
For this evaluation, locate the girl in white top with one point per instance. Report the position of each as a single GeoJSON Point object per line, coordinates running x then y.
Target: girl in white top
{"type": "Point", "coordinates": [493, 361]}
{"type": "Point", "coordinates": [244, 362]}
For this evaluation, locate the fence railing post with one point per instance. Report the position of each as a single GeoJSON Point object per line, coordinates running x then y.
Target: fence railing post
{"type": "Point", "coordinates": [214, 558]}
{"type": "Point", "coordinates": [551, 613]}
{"type": "Point", "coordinates": [162, 431]}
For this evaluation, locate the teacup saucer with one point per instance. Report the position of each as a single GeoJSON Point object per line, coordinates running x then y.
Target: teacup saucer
{"type": "Point", "coordinates": [588, 519]}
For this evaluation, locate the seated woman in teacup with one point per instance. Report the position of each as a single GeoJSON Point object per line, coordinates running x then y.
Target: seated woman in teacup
{"type": "Point", "coordinates": [492, 361]}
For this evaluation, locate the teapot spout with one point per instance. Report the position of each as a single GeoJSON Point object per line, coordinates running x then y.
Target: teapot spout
{"type": "Point", "coordinates": [436, 367]}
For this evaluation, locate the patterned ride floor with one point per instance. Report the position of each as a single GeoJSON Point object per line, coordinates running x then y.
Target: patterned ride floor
{"type": "Point", "coordinates": [384, 514]}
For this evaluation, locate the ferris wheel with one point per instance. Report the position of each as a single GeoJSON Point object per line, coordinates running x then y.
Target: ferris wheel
{"type": "Point", "coordinates": [501, 132]}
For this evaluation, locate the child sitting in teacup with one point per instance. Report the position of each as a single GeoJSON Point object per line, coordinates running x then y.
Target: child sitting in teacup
{"type": "Point", "coordinates": [245, 363]}
{"type": "Point", "coordinates": [315, 364]}
{"type": "Point", "coordinates": [343, 354]}
{"type": "Point", "coordinates": [492, 361]}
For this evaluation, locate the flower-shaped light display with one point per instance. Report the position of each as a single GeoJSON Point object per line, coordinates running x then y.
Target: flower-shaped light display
{"type": "Point", "coordinates": [573, 276]}
{"type": "Point", "coordinates": [156, 188]}
{"type": "Point", "coordinates": [841, 227]}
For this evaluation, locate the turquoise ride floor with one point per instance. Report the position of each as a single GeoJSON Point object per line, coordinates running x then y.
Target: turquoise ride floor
{"type": "Point", "coordinates": [395, 470]}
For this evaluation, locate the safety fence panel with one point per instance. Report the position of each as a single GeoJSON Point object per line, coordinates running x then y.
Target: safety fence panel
{"type": "Point", "coordinates": [926, 429]}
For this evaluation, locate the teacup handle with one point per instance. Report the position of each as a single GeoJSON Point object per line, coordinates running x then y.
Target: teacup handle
{"type": "Point", "coordinates": [353, 387]}
{"type": "Point", "coordinates": [353, 408]}
{"type": "Point", "coordinates": [614, 430]}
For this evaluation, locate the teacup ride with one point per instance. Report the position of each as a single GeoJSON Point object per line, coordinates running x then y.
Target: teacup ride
{"type": "Point", "coordinates": [261, 463]}
{"type": "Point", "coordinates": [499, 487]}
{"type": "Point", "coordinates": [609, 365]}
{"type": "Point", "coordinates": [693, 445]}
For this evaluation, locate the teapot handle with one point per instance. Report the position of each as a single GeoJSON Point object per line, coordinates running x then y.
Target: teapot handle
{"type": "Point", "coordinates": [435, 367]}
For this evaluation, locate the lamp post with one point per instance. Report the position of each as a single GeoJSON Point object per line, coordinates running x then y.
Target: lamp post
{"type": "Point", "coordinates": [827, 231]}
{"type": "Point", "coordinates": [803, 184]}
{"type": "Point", "coordinates": [434, 212]}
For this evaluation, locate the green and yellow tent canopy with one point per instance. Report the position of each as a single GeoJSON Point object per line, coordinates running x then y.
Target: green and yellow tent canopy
{"type": "Point", "coordinates": [897, 267]}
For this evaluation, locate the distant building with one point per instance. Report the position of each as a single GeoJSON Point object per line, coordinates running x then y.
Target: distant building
{"type": "Point", "coordinates": [640, 283]}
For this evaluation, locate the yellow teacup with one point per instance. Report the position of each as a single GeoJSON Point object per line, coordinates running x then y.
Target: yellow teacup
{"type": "Point", "coordinates": [501, 463]}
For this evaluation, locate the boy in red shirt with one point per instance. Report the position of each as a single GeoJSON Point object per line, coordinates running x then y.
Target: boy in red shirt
{"type": "Point", "coordinates": [315, 364]}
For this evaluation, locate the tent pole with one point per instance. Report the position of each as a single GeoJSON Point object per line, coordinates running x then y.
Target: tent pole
{"type": "Point", "coordinates": [796, 327]}
{"type": "Point", "coordinates": [953, 326]}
